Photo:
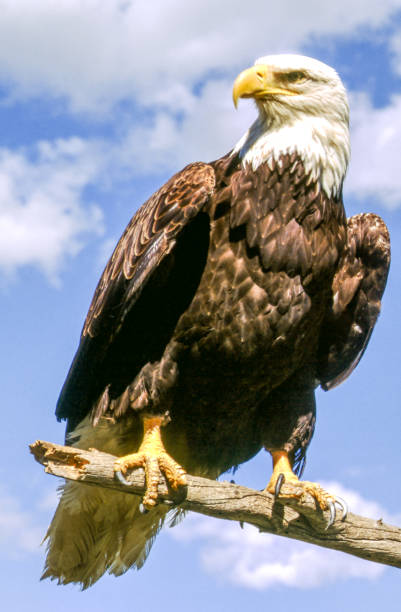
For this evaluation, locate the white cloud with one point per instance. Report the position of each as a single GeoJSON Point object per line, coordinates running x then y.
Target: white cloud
{"type": "Point", "coordinates": [248, 558]}
{"type": "Point", "coordinates": [94, 54]}
{"type": "Point", "coordinates": [395, 47]}
{"type": "Point", "coordinates": [20, 532]}
{"type": "Point", "coordinates": [359, 505]}
{"type": "Point", "coordinates": [209, 128]}
{"type": "Point", "coordinates": [375, 160]}
{"type": "Point", "coordinates": [48, 502]}
{"type": "Point", "coordinates": [42, 215]}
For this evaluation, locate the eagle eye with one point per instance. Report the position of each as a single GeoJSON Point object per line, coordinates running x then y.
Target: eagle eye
{"type": "Point", "coordinates": [296, 76]}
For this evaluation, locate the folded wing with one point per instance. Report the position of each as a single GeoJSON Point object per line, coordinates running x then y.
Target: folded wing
{"type": "Point", "coordinates": [357, 290]}
{"type": "Point", "coordinates": [148, 262]}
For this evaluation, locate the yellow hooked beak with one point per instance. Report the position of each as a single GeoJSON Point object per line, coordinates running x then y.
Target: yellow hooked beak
{"type": "Point", "coordinates": [258, 82]}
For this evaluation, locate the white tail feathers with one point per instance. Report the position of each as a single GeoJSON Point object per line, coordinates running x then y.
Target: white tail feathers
{"type": "Point", "coordinates": [94, 531]}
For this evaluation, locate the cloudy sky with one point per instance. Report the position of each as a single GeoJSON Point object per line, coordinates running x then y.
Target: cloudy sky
{"type": "Point", "coordinates": [100, 102]}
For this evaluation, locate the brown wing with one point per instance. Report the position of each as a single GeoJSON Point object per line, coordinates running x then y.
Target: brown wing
{"type": "Point", "coordinates": [129, 293]}
{"type": "Point", "coordinates": [357, 290]}
{"type": "Point", "coordinates": [148, 238]}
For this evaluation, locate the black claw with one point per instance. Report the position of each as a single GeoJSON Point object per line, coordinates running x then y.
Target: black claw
{"type": "Point", "coordinates": [332, 518]}
{"type": "Point", "coordinates": [120, 476]}
{"type": "Point", "coordinates": [142, 509]}
{"type": "Point", "coordinates": [241, 524]}
{"type": "Point", "coordinates": [279, 484]}
{"type": "Point", "coordinates": [344, 507]}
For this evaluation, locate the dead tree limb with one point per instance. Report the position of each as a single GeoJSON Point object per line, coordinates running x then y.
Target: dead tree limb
{"type": "Point", "coordinates": [363, 537]}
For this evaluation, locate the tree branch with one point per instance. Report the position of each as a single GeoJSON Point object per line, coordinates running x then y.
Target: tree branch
{"type": "Point", "coordinates": [363, 537]}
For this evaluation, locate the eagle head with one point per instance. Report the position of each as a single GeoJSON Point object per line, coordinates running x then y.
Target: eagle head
{"type": "Point", "coordinates": [302, 107]}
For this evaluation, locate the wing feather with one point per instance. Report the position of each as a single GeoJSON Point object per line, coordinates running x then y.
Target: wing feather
{"type": "Point", "coordinates": [357, 290]}
{"type": "Point", "coordinates": [151, 235]}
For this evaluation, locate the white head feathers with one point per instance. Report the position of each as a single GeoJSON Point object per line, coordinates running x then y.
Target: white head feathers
{"type": "Point", "coordinates": [304, 110]}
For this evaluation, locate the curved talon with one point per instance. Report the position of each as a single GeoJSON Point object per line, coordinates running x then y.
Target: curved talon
{"type": "Point", "coordinates": [120, 476]}
{"type": "Point", "coordinates": [282, 472]}
{"type": "Point", "coordinates": [279, 483]}
{"type": "Point", "coordinates": [332, 518]}
{"type": "Point", "coordinates": [153, 458]}
{"type": "Point", "coordinates": [143, 509]}
{"type": "Point", "coordinates": [344, 507]}
{"type": "Point", "coordinates": [344, 510]}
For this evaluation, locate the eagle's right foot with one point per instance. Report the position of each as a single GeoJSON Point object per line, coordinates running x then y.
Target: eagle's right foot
{"type": "Point", "coordinates": [282, 472]}
{"type": "Point", "coordinates": [154, 459]}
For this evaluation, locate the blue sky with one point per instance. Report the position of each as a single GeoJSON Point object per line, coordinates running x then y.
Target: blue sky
{"type": "Point", "coordinates": [100, 102]}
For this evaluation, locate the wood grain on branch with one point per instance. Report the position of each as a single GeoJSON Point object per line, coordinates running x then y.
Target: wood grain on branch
{"type": "Point", "coordinates": [298, 519]}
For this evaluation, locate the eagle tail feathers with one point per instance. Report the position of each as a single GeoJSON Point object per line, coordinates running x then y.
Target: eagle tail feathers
{"type": "Point", "coordinates": [96, 531]}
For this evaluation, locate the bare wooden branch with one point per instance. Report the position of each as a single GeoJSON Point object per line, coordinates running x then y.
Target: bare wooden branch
{"type": "Point", "coordinates": [363, 537]}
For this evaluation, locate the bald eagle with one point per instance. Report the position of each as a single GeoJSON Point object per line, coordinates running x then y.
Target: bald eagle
{"type": "Point", "coordinates": [235, 290]}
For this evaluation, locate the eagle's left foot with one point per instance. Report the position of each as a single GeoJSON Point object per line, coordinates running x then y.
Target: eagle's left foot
{"type": "Point", "coordinates": [282, 472]}
{"type": "Point", "coordinates": [154, 459]}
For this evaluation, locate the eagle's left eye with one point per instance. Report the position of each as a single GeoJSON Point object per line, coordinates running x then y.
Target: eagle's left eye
{"type": "Point", "coordinates": [296, 76]}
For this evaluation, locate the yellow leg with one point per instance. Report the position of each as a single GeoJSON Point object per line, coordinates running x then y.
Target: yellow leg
{"type": "Point", "coordinates": [282, 466]}
{"type": "Point", "coordinates": [153, 457]}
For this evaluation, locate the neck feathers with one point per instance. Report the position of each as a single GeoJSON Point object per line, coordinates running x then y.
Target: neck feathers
{"type": "Point", "coordinates": [322, 146]}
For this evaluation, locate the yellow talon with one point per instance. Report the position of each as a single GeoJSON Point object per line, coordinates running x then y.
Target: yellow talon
{"type": "Point", "coordinates": [153, 457]}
